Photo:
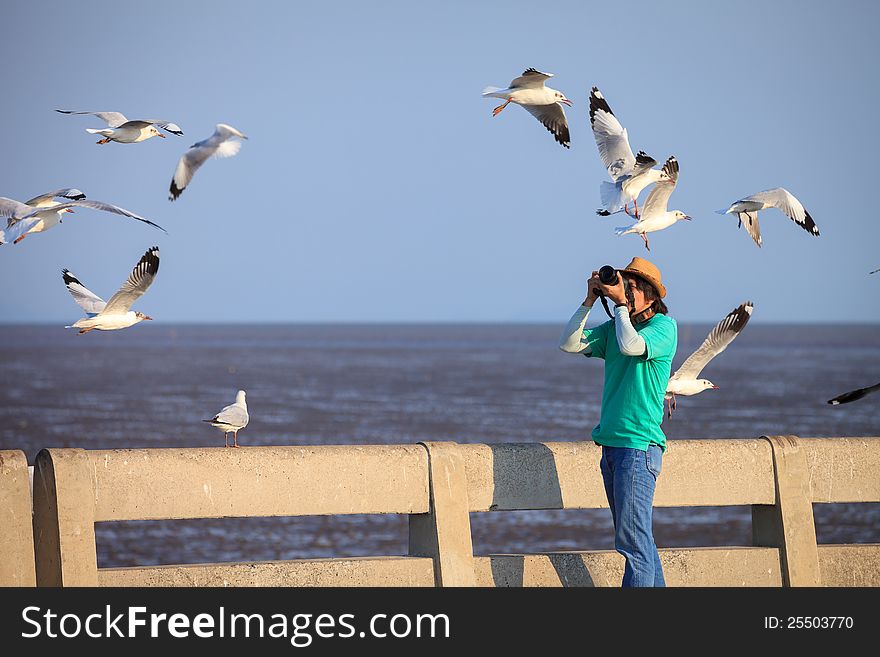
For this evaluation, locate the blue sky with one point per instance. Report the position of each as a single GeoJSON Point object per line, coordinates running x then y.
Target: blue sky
{"type": "Point", "coordinates": [377, 186]}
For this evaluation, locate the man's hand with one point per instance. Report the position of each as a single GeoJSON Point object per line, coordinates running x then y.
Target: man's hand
{"type": "Point", "coordinates": [616, 293]}
{"type": "Point", "coordinates": [592, 285]}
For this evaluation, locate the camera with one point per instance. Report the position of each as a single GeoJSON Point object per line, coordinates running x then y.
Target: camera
{"type": "Point", "coordinates": [608, 275]}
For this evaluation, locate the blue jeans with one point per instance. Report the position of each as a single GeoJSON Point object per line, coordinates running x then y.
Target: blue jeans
{"type": "Point", "coordinates": [630, 476]}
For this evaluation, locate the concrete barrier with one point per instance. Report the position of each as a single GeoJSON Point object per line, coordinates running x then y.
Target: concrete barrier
{"type": "Point", "coordinates": [16, 529]}
{"type": "Point", "coordinates": [438, 485]}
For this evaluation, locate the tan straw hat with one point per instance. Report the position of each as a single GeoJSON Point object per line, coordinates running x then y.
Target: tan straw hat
{"type": "Point", "coordinates": [648, 271]}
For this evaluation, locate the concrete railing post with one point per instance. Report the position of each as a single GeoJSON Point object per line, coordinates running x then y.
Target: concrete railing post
{"type": "Point", "coordinates": [16, 529]}
{"type": "Point", "coordinates": [64, 519]}
{"type": "Point", "coordinates": [444, 533]}
{"type": "Point", "coordinates": [789, 524]}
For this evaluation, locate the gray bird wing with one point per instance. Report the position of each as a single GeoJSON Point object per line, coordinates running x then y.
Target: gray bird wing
{"type": "Point", "coordinates": [611, 137]}
{"type": "Point", "coordinates": [138, 282]}
{"type": "Point", "coordinates": [13, 210]}
{"type": "Point", "coordinates": [84, 297]}
{"type": "Point", "coordinates": [785, 201]}
{"type": "Point", "coordinates": [232, 415]}
{"type": "Point", "coordinates": [531, 77]}
{"type": "Point", "coordinates": [98, 205]}
{"type": "Point", "coordinates": [112, 119]}
{"type": "Point", "coordinates": [67, 192]}
{"type": "Point", "coordinates": [553, 118]}
{"type": "Point", "coordinates": [750, 221]}
{"type": "Point", "coordinates": [716, 342]}
{"type": "Point", "coordinates": [659, 197]}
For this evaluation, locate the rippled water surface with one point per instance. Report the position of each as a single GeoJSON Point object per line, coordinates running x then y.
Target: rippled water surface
{"type": "Point", "coordinates": [150, 386]}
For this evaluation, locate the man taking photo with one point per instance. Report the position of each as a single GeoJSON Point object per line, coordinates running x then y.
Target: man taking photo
{"type": "Point", "coordinates": [637, 345]}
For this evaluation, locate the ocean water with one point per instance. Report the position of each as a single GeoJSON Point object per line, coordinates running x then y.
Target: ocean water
{"type": "Point", "coordinates": [151, 385]}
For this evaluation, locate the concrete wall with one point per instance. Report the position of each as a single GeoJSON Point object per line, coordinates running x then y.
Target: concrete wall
{"type": "Point", "coordinates": [438, 485]}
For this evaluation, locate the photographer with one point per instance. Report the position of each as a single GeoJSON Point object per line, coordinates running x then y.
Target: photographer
{"type": "Point", "coordinates": [637, 345]}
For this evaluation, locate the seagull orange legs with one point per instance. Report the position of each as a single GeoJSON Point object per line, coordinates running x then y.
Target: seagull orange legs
{"type": "Point", "coordinates": [636, 204]}
{"type": "Point", "coordinates": [234, 438]}
{"type": "Point", "coordinates": [497, 110]}
{"type": "Point", "coordinates": [105, 140]}
{"type": "Point", "coordinates": [645, 237]}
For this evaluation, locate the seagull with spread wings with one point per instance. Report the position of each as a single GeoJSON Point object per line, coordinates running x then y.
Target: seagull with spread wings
{"type": "Point", "coordinates": [225, 142]}
{"type": "Point", "coordinates": [123, 131]}
{"type": "Point", "coordinates": [114, 314]}
{"type": "Point", "coordinates": [232, 418]}
{"type": "Point", "coordinates": [630, 173]}
{"type": "Point", "coordinates": [685, 381]}
{"type": "Point", "coordinates": [654, 215]}
{"type": "Point", "coordinates": [43, 212]}
{"type": "Point", "coordinates": [746, 209]}
{"type": "Point", "coordinates": [542, 102]}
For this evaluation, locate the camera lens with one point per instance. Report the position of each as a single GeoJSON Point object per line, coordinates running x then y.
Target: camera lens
{"type": "Point", "coordinates": [608, 275]}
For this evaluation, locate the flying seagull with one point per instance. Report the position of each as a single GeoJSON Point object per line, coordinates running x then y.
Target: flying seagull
{"type": "Point", "coordinates": [685, 381]}
{"type": "Point", "coordinates": [542, 102]}
{"type": "Point", "coordinates": [232, 418]}
{"type": "Point", "coordinates": [746, 209]}
{"type": "Point", "coordinates": [42, 213]}
{"type": "Point", "coordinates": [654, 215]}
{"type": "Point", "coordinates": [114, 314]}
{"type": "Point", "coordinates": [123, 131]}
{"type": "Point", "coordinates": [853, 395]}
{"type": "Point", "coordinates": [223, 143]}
{"type": "Point", "coordinates": [630, 173]}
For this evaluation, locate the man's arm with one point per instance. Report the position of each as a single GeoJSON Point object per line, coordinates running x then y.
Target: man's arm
{"type": "Point", "coordinates": [628, 339]}
{"type": "Point", "coordinates": [571, 340]}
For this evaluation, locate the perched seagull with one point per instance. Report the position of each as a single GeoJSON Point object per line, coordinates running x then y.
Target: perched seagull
{"type": "Point", "coordinates": [853, 395]}
{"type": "Point", "coordinates": [746, 209]}
{"type": "Point", "coordinates": [121, 130]}
{"type": "Point", "coordinates": [232, 418]}
{"type": "Point", "coordinates": [685, 381]}
{"type": "Point", "coordinates": [541, 102]}
{"type": "Point", "coordinates": [630, 173]}
{"type": "Point", "coordinates": [654, 215]}
{"type": "Point", "coordinates": [114, 314]}
{"type": "Point", "coordinates": [42, 213]}
{"type": "Point", "coordinates": [223, 143]}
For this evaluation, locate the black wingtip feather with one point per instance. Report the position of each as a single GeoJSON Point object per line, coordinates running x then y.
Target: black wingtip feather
{"type": "Point", "coordinates": [174, 191]}
{"type": "Point", "coordinates": [598, 102]}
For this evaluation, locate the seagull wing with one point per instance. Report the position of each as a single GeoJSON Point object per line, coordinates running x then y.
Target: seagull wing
{"type": "Point", "coordinates": [112, 119]}
{"type": "Point", "coordinates": [84, 297]}
{"type": "Point", "coordinates": [100, 205]}
{"type": "Point", "coordinates": [173, 128]}
{"type": "Point", "coordinates": [17, 228]}
{"type": "Point", "coordinates": [611, 137]}
{"type": "Point", "coordinates": [13, 210]}
{"type": "Point", "coordinates": [853, 395]}
{"type": "Point", "coordinates": [784, 200]}
{"type": "Point", "coordinates": [214, 146]}
{"type": "Point", "coordinates": [48, 197]}
{"type": "Point", "coordinates": [553, 118]}
{"type": "Point", "coordinates": [530, 78]}
{"type": "Point", "coordinates": [232, 415]}
{"type": "Point", "coordinates": [750, 221]}
{"type": "Point", "coordinates": [139, 280]}
{"type": "Point", "coordinates": [659, 196]}
{"type": "Point", "coordinates": [716, 342]}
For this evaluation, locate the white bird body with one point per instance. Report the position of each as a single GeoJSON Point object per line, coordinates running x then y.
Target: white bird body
{"type": "Point", "coordinates": [684, 381]}
{"type": "Point", "coordinates": [539, 100]}
{"type": "Point", "coordinates": [127, 134]}
{"type": "Point", "coordinates": [109, 322]}
{"type": "Point", "coordinates": [223, 143]}
{"type": "Point", "coordinates": [654, 214]}
{"type": "Point", "coordinates": [232, 418]}
{"type": "Point", "coordinates": [116, 313]}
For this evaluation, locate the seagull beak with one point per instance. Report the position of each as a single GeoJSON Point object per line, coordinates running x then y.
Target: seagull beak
{"type": "Point", "coordinates": [687, 217]}
{"type": "Point", "coordinates": [147, 317]}
{"type": "Point", "coordinates": [244, 136]}
{"type": "Point", "coordinates": [68, 210]}
{"type": "Point", "coordinates": [714, 387]}
{"type": "Point", "coordinates": [161, 135]}
{"type": "Point", "coordinates": [566, 101]}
